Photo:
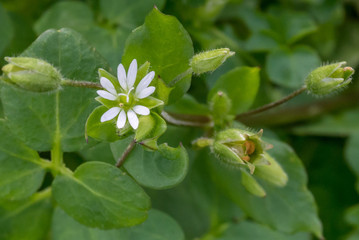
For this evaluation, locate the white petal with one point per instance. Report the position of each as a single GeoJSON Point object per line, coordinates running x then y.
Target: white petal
{"type": "Point", "coordinates": [146, 92]}
{"type": "Point", "coordinates": [131, 74]}
{"type": "Point", "coordinates": [106, 95]}
{"type": "Point", "coordinates": [121, 76]}
{"type": "Point", "coordinates": [145, 82]}
{"type": "Point", "coordinates": [142, 110]}
{"type": "Point", "coordinates": [107, 84]}
{"type": "Point", "coordinates": [110, 114]}
{"type": "Point", "coordinates": [121, 120]}
{"type": "Point", "coordinates": [133, 119]}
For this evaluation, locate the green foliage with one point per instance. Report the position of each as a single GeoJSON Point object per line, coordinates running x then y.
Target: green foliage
{"type": "Point", "coordinates": [69, 170]}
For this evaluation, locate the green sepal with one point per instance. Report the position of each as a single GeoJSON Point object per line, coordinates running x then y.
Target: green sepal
{"type": "Point", "coordinates": [252, 186]}
{"type": "Point", "coordinates": [272, 173]}
{"type": "Point", "coordinates": [150, 127]}
{"type": "Point", "coordinates": [104, 131]}
{"type": "Point", "coordinates": [150, 102]}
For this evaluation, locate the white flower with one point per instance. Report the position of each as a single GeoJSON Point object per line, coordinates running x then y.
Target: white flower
{"type": "Point", "coordinates": [126, 99]}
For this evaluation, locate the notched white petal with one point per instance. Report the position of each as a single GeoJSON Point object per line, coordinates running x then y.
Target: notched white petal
{"type": "Point", "coordinates": [141, 110]}
{"type": "Point", "coordinates": [146, 92]}
{"type": "Point", "coordinates": [106, 95]}
{"type": "Point", "coordinates": [132, 73]}
{"type": "Point", "coordinates": [121, 120]}
{"type": "Point", "coordinates": [107, 84]}
{"type": "Point", "coordinates": [110, 114]}
{"type": "Point", "coordinates": [121, 76]}
{"type": "Point", "coordinates": [133, 119]}
{"type": "Point", "coordinates": [145, 82]}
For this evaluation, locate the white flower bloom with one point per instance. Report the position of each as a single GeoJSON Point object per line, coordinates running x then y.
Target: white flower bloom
{"type": "Point", "coordinates": [127, 99]}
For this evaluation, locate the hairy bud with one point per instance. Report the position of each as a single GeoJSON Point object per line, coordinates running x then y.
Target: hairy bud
{"type": "Point", "coordinates": [210, 60]}
{"type": "Point", "coordinates": [329, 78]}
{"type": "Point", "coordinates": [31, 74]}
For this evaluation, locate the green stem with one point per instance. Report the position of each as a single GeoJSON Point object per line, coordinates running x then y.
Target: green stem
{"type": "Point", "coordinates": [271, 105]}
{"type": "Point", "coordinates": [126, 153]}
{"type": "Point", "coordinates": [56, 152]}
{"type": "Point", "coordinates": [82, 84]}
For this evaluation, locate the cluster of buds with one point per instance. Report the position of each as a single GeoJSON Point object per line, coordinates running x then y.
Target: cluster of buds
{"type": "Point", "coordinates": [238, 147]}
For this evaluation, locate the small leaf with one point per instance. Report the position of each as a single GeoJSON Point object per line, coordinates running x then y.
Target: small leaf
{"type": "Point", "coordinates": [164, 43]}
{"type": "Point", "coordinates": [26, 219]}
{"type": "Point", "coordinates": [241, 86]}
{"type": "Point", "coordinates": [20, 172]}
{"type": "Point", "coordinates": [158, 226]}
{"type": "Point", "coordinates": [102, 196]}
{"type": "Point", "coordinates": [289, 68]}
{"type": "Point", "coordinates": [155, 169]}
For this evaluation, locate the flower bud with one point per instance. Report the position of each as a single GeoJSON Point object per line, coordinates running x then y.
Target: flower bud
{"type": "Point", "coordinates": [31, 74]}
{"type": "Point", "coordinates": [220, 106]}
{"type": "Point", "coordinates": [241, 148]}
{"type": "Point", "coordinates": [210, 60]}
{"type": "Point", "coordinates": [329, 78]}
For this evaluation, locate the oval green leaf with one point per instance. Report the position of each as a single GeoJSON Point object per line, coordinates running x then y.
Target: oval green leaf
{"type": "Point", "coordinates": [164, 43]}
{"type": "Point", "coordinates": [102, 196]}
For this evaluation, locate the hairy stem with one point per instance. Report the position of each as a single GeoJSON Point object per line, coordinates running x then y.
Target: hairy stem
{"type": "Point", "coordinates": [82, 84]}
{"type": "Point", "coordinates": [125, 154]}
{"type": "Point", "coordinates": [271, 105]}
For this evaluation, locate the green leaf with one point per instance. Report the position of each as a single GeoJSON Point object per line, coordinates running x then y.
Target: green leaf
{"type": "Point", "coordinates": [126, 12]}
{"type": "Point", "coordinates": [343, 123]}
{"type": "Point", "coordinates": [75, 15]}
{"type": "Point", "coordinates": [158, 226]}
{"type": "Point", "coordinates": [289, 68]}
{"type": "Point", "coordinates": [102, 196]}
{"type": "Point", "coordinates": [20, 172]}
{"type": "Point", "coordinates": [6, 30]}
{"type": "Point", "coordinates": [101, 130]}
{"type": "Point", "coordinates": [26, 219]}
{"type": "Point", "coordinates": [288, 209]}
{"type": "Point", "coordinates": [241, 86]}
{"type": "Point", "coordinates": [100, 152]}
{"type": "Point", "coordinates": [352, 215]}
{"type": "Point", "coordinates": [150, 127]}
{"type": "Point", "coordinates": [40, 120]}
{"type": "Point", "coordinates": [254, 231]}
{"type": "Point", "coordinates": [163, 42]}
{"type": "Point", "coordinates": [155, 169]}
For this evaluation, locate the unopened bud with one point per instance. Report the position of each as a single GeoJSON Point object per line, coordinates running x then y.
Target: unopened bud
{"type": "Point", "coordinates": [210, 60]}
{"type": "Point", "coordinates": [31, 74]}
{"type": "Point", "coordinates": [329, 78]}
{"type": "Point", "coordinates": [220, 106]}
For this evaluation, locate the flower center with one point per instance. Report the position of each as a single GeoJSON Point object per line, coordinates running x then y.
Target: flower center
{"type": "Point", "coordinates": [244, 150]}
{"type": "Point", "coordinates": [126, 101]}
